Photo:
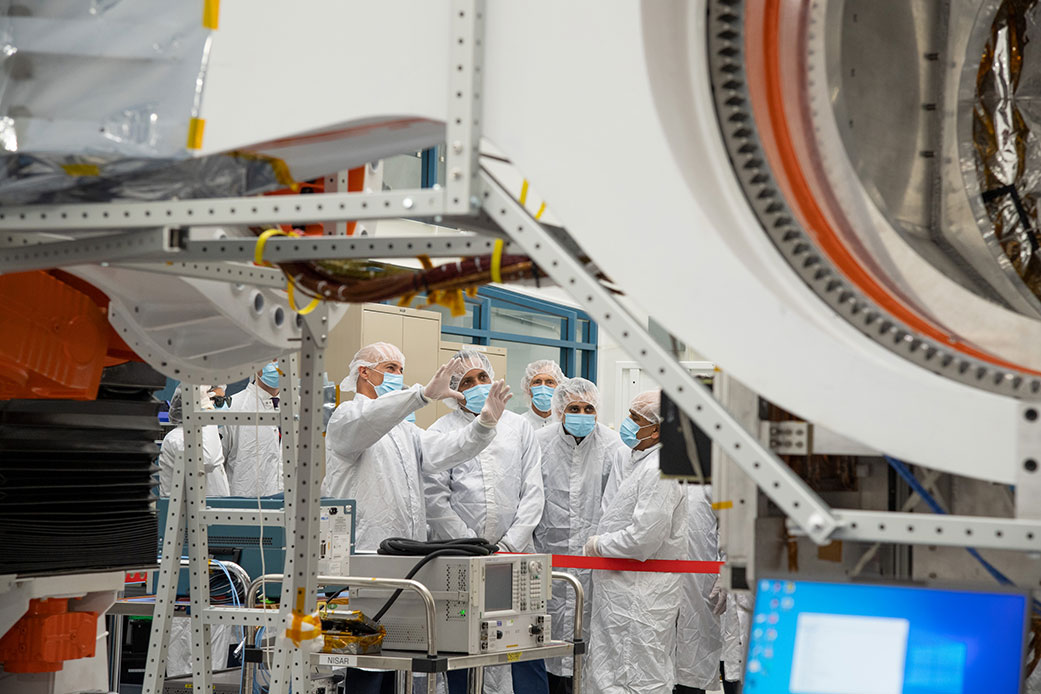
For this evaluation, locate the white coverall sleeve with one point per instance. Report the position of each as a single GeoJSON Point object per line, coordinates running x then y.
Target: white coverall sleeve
{"type": "Point", "coordinates": [650, 526]}
{"type": "Point", "coordinates": [444, 522]}
{"type": "Point", "coordinates": [353, 430]}
{"type": "Point", "coordinates": [442, 450]}
{"type": "Point", "coordinates": [519, 538]}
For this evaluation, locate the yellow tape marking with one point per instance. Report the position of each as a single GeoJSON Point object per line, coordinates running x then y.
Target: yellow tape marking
{"type": "Point", "coordinates": [524, 192]}
{"type": "Point", "coordinates": [720, 505]}
{"type": "Point", "coordinates": [196, 126]}
{"type": "Point", "coordinates": [211, 14]}
{"type": "Point", "coordinates": [81, 169]}
{"type": "Point", "coordinates": [496, 270]}
{"type": "Point", "coordinates": [542, 208]}
{"type": "Point", "coordinates": [513, 657]}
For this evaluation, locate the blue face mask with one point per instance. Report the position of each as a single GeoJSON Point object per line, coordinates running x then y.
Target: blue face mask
{"type": "Point", "coordinates": [269, 376]}
{"type": "Point", "coordinates": [579, 425]}
{"type": "Point", "coordinates": [542, 397]}
{"type": "Point", "coordinates": [391, 383]}
{"type": "Point", "coordinates": [476, 396]}
{"type": "Point", "coordinates": [628, 432]}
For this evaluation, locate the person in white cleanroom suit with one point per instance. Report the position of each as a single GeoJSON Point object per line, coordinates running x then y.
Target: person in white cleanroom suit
{"type": "Point", "coordinates": [372, 454]}
{"type": "Point", "coordinates": [577, 455]}
{"type": "Point", "coordinates": [179, 654]}
{"type": "Point", "coordinates": [699, 645]}
{"type": "Point", "coordinates": [633, 627]}
{"type": "Point", "coordinates": [254, 452]}
{"type": "Point", "coordinates": [496, 495]}
{"type": "Point", "coordinates": [541, 379]}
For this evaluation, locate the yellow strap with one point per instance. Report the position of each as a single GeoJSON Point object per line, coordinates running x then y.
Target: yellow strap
{"type": "Point", "coordinates": [524, 192]}
{"type": "Point", "coordinates": [720, 505]}
{"type": "Point", "coordinates": [542, 208]}
{"type": "Point", "coordinates": [497, 261]}
{"type": "Point", "coordinates": [292, 299]}
{"type": "Point", "coordinates": [258, 253]}
{"type": "Point", "coordinates": [407, 299]}
{"type": "Point", "coordinates": [424, 260]}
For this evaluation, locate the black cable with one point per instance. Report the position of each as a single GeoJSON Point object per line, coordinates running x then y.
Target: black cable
{"type": "Point", "coordinates": [403, 546]}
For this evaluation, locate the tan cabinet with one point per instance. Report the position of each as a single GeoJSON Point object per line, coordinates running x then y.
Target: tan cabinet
{"type": "Point", "coordinates": [496, 355]}
{"type": "Point", "coordinates": [417, 333]}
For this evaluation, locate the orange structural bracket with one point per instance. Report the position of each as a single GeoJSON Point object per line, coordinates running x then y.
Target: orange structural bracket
{"type": "Point", "coordinates": [672, 566]}
{"type": "Point", "coordinates": [47, 636]}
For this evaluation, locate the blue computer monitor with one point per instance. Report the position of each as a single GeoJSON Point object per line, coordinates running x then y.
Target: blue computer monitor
{"type": "Point", "coordinates": [841, 638]}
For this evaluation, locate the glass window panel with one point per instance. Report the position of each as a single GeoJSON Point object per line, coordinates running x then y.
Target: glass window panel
{"type": "Point", "coordinates": [523, 322]}
{"type": "Point", "coordinates": [518, 356]}
{"type": "Point", "coordinates": [582, 334]}
{"type": "Point", "coordinates": [585, 360]}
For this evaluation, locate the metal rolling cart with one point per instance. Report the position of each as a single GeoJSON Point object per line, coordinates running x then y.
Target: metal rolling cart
{"type": "Point", "coordinates": [408, 663]}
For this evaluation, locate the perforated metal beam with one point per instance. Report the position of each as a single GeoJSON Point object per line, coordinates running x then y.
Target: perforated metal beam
{"type": "Point", "coordinates": [93, 249]}
{"type": "Point", "coordinates": [287, 209]}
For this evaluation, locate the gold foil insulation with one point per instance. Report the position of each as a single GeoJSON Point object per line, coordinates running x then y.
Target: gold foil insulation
{"type": "Point", "coordinates": [1005, 126]}
{"type": "Point", "coordinates": [350, 632]}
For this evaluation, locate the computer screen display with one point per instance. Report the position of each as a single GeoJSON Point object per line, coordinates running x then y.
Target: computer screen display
{"type": "Point", "coordinates": [832, 638]}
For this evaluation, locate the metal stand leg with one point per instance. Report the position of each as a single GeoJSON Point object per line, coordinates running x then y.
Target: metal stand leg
{"type": "Point", "coordinates": [303, 479]}
{"type": "Point", "coordinates": [198, 543]}
{"type": "Point", "coordinates": [115, 647]}
{"type": "Point", "coordinates": [475, 681]}
{"type": "Point", "coordinates": [166, 592]}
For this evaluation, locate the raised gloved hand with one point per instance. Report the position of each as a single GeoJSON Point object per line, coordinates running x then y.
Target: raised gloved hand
{"type": "Point", "coordinates": [717, 599]}
{"type": "Point", "coordinates": [590, 549]}
{"type": "Point", "coordinates": [438, 388]}
{"type": "Point", "coordinates": [495, 405]}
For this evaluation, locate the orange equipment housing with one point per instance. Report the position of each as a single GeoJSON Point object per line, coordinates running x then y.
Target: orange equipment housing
{"type": "Point", "coordinates": [47, 636]}
{"type": "Point", "coordinates": [57, 337]}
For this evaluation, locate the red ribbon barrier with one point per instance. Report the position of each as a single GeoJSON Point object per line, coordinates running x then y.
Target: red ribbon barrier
{"type": "Point", "coordinates": [674, 566]}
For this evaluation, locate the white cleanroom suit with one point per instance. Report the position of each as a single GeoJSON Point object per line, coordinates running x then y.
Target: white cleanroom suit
{"type": "Point", "coordinates": [496, 495]}
{"type": "Point", "coordinates": [253, 452]}
{"type": "Point", "coordinates": [699, 643]}
{"type": "Point", "coordinates": [633, 629]}
{"type": "Point", "coordinates": [573, 476]}
{"type": "Point", "coordinates": [374, 455]}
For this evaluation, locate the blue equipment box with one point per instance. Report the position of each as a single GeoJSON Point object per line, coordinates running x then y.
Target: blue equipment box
{"type": "Point", "coordinates": [243, 544]}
